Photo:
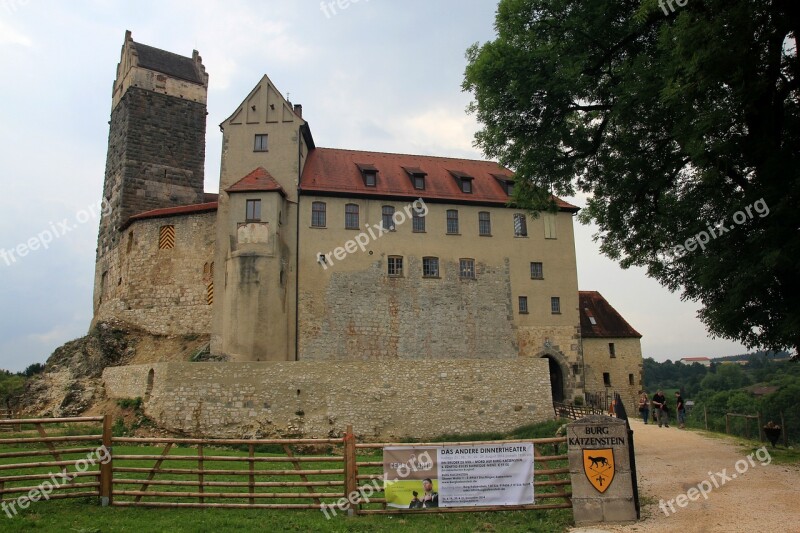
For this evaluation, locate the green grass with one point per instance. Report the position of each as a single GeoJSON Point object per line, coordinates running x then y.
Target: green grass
{"type": "Point", "coordinates": [86, 515]}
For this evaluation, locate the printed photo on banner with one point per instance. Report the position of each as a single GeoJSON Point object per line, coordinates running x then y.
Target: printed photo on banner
{"type": "Point", "coordinates": [410, 477]}
{"type": "Point", "coordinates": [459, 476]}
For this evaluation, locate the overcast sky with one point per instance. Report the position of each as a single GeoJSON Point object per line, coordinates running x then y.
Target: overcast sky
{"type": "Point", "coordinates": [378, 75]}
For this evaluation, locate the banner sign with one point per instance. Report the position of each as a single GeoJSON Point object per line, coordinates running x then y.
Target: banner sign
{"type": "Point", "coordinates": [458, 476]}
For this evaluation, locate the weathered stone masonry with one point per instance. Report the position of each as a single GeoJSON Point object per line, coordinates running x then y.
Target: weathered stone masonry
{"type": "Point", "coordinates": [400, 398]}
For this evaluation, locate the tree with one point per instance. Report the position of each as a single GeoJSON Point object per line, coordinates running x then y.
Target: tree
{"type": "Point", "coordinates": [683, 127]}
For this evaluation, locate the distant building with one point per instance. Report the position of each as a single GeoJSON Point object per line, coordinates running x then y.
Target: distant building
{"type": "Point", "coordinates": [705, 361]}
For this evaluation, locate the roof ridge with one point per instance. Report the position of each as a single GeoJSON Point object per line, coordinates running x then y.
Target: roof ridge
{"type": "Point", "coordinates": [414, 155]}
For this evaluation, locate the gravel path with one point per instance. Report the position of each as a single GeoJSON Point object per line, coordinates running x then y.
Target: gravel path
{"type": "Point", "coordinates": [670, 461]}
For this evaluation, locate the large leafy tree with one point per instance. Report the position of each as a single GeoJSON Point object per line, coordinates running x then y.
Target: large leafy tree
{"type": "Point", "coordinates": [679, 122]}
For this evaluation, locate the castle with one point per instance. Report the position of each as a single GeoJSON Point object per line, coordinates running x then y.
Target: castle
{"type": "Point", "coordinates": [318, 272]}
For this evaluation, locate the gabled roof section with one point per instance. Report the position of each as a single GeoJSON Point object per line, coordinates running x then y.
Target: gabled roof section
{"type": "Point", "coordinates": [336, 172]}
{"type": "Point", "coordinates": [258, 180]}
{"type": "Point", "coordinates": [168, 63]}
{"type": "Point", "coordinates": [265, 104]}
{"type": "Point", "coordinates": [600, 320]}
{"type": "Point", "coordinates": [173, 211]}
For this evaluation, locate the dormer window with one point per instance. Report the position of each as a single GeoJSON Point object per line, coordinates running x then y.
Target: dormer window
{"type": "Point", "coordinates": [369, 173]}
{"type": "Point", "coordinates": [464, 181]}
{"type": "Point", "coordinates": [506, 182]}
{"type": "Point", "coordinates": [417, 176]}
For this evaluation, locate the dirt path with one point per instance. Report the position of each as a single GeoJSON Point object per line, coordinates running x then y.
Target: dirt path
{"type": "Point", "coordinates": [671, 461]}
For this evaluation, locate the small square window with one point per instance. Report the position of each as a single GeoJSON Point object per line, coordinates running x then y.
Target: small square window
{"type": "Point", "coordinates": [253, 211]}
{"type": "Point", "coordinates": [260, 144]}
{"type": "Point", "coordinates": [395, 266]}
{"type": "Point", "coordinates": [537, 272]}
{"type": "Point", "coordinates": [430, 267]}
{"type": "Point", "coordinates": [523, 305]}
{"type": "Point", "coordinates": [555, 305]}
{"type": "Point", "coordinates": [484, 224]}
{"type": "Point", "coordinates": [466, 268]}
{"type": "Point", "coordinates": [606, 379]}
{"type": "Point", "coordinates": [611, 350]}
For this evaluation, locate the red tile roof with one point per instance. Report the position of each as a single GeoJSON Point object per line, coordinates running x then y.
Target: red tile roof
{"type": "Point", "coordinates": [608, 322]}
{"type": "Point", "coordinates": [259, 180]}
{"type": "Point", "coordinates": [335, 171]}
{"type": "Point", "coordinates": [173, 211]}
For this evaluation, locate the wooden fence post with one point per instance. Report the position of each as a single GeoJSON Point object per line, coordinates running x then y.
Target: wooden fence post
{"type": "Point", "coordinates": [107, 468]}
{"type": "Point", "coordinates": [350, 467]}
{"type": "Point", "coordinates": [760, 429]}
{"type": "Point", "coordinates": [785, 432]}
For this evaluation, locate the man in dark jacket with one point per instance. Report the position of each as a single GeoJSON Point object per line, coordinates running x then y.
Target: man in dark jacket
{"type": "Point", "coordinates": [660, 405]}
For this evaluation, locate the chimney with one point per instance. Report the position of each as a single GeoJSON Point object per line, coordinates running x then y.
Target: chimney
{"type": "Point", "coordinates": [298, 110]}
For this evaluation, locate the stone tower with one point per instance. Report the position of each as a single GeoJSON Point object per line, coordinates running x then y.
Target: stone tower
{"type": "Point", "coordinates": [156, 141]}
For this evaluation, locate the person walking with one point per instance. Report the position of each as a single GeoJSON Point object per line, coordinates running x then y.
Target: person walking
{"type": "Point", "coordinates": [680, 408]}
{"type": "Point", "coordinates": [661, 408]}
{"type": "Point", "coordinates": [644, 406]}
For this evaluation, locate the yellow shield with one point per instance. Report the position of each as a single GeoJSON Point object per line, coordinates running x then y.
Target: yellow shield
{"type": "Point", "coordinates": [598, 465]}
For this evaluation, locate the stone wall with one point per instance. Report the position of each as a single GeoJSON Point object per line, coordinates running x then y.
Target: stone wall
{"type": "Point", "coordinates": [624, 369]}
{"type": "Point", "coordinates": [164, 292]}
{"type": "Point", "coordinates": [368, 315]}
{"type": "Point", "coordinates": [389, 400]}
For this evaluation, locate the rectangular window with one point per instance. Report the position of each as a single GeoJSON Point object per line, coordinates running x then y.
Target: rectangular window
{"type": "Point", "coordinates": [452, 221]}
{"type": "Point", "coordinates": [520, 225]}
{"type": "Point", "coordinates": [430, 267]}
{"type": "Point", "coordinates": [418, 221]}
{"type": "Point", "coordinates": [419, 183]}
{"type": "Point", "coordinates": [484, 223]}
{"type": "Point", "coordinates": [395, 266]}
{"type": "Point", "coordinates": [166, 238]}
{"type": "Point", "coordinates": [253, 211]}
{"type": "Point", "coordinates": [466, 268]}
{"type": "Point", "coordinates": [555, 305]}
{"type": "Point", "coordinates": [387, 217]}
{"type": "Point", "coordinates": [606, 379]}
{"type": "Point", "coordinates": [630, 379]}
{"type": "Point", "coordinates": [318, 215]}
{"type": "Point", "coordinates": [523, 305]}
{"type": "Point", "coordinates": [466, 186]}
{"type": "Point", "coordinates": [260, 143]}
{"type": "Point", "coordinates": [509, 187]}
{"type": "Point", "coordinates": [537, 271]}
{"type": "Point", "coordinates": [611, 351]}
{"type": "Point", "coordinates": [549, 226]}
{"type": "Point", "coordinates": [351, 216]}
{"type": "Point", "coordinates": [370, 179]}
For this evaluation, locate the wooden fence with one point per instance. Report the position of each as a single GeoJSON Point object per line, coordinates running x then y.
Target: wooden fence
{"type": "Point", "coordinates": [206, 472]}
{"type": "Point", "coordinates": [77, 457]}
{"type": "Point", "coordinates": [575, 412]}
